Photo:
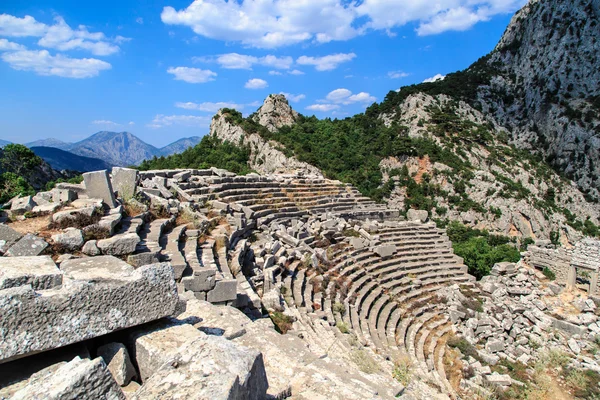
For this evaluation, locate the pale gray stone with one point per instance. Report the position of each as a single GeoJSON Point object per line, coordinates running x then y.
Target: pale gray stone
{"type": "Point", "coordinates": [124, 182]}
{"type": "Point", "coordinates": [99, 295]}
{"type": "Point", "coordinates": [119, 364]}
{"type": "Point", "coordinates": [28, 245]}
{"type": "Point", "coordinates": [417, 215]}
{"type": "Point", "coordinates": [98, 185]}
{"type": "Point", "coordinates": [211, 319]}
{"type": "Point", "coordinates": [40, 272]}
{"type": "Point", "coordinates": [72, 214]}
{"type": "Point", "coordinates": [499, 380]}
{"type": "Point", "coordinates": [8, 237]}
{"type": "Point", "coordinates": [22, 205]}
{"type": "Point", "coordinates": [71, 239]}
{"type": "Point", "coordinates": [119, 245]}
{"type": "Point", "coordinates": [385, 251]}
{"type": "Point", "coordinates": [158, 343]}
{"type": "Point", "coordinates": [90, 248]}
{"type": "Point", "coordinates": [235, 372]}
{"type": "Point", "coordinates": [63, 195]}
{"type": "Point", "coordinates": [78, 379]}
{"type": "Point", "coordinates": [225, 290]}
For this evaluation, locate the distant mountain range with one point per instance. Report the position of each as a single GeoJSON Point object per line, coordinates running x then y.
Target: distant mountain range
{"type": "Point", "coordinates": [102, 150]}
{"type": "Point", "coordinates": [64, 160]}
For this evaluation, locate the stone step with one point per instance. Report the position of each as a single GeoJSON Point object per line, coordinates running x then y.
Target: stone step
{"type": "Point", "coordinates": [172, 251]}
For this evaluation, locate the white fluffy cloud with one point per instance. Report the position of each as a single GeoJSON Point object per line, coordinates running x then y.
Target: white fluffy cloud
{"type": "Point", "coordinates": [160, 121]}
{"type": "Point", "coordinates": [192, 75]}
{"type": "Point", "coordinates": [296, 72]}
{"type": "Point", "coordinates": [106, 123]}
{"type": "Point", "coordinates": [26, 26]}
{"type": "Point", "coordinates": [323, 107]}
{"type": "Point", "coordinates": [243, 61]}
{"type": "Point", "coordinates": [345, 96]}
{"type": "Point", "coordinates": [276, 23]}
{"type": "Point", "coordinates": [256, 84]}
{"type": "Point", "coordinates": [43, 63]}
{"type": "Point", "coordinates": [60, 35]}
{"type": "Point", "coordinates": [326, 63]}
{"type": "Point", "coordinates": [397, 74]}
{"type": "Point", "coordinates": [5, 45]}
{"type": "Point", "coordinates": [294, 98]}
{"type": "Point", "coordinates": [437, 77]}
{"type": "Point", "coordinates": [208, 106]}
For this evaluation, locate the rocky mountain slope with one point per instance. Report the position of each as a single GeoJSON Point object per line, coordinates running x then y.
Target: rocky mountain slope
{"type": "Point", "coordinates": [65, 160]}
{"type": "Point", "coordinates": [179, 146]}
{"type": "Point", "coordinates": [265, 156]}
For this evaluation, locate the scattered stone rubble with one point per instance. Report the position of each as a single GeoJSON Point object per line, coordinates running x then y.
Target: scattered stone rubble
{"type": "Point", "coordinates": [163, 281]}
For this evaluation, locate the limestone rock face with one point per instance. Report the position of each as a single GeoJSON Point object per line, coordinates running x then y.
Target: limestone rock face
{"type": "Point", "coordinates": [265, 157]}
{"type": "Point", "coordinates": [548, 60]}
{"type": "Point", "coordinates": [275, 113]}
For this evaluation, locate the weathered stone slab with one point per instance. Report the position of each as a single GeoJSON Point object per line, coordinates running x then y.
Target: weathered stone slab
{"type": "Point", "coordinates": [155, 345]}
{"type": "Point", "coordinates": [99, 295]}
{"type": "Point", "coordinates": [98, 185]}
{"type": "Point", "coordinates": [28, 245]}
{"type": "Point", "coordinates": [225, 321]}
{"type": "Point", "coordinates": [22, 205]}
{"type": "Point", "coordinates": [71, 239]}
{"type": "Point", "coordinates": [119, 364]}
{"type": "Point", "coordinates": [119, 245]}
{"type": "Point", "coordinates": [73, 214]}
{"type": "Point", "coordinates": [234, 372]}
{"type": "Point", "coordinates": [202, 280]}
{"type": "Point", "coordinates": [40, 272]}
{"type": "Point", "coordinates": [225, 290]}
{"type": "Point", "coordinates": [78, 379]}
{"type": "Point", "coordinates": [63, 195]}
{"type": "Point", "coordinates": [124, 182]}
{"type": "Point", "coordinates": [91, 248]}
{"type": "Point", "coordinates": [8, 237]}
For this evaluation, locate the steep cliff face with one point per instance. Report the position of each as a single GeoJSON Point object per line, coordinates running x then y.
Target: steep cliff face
{"type": "Point", "coordinates": [266, 157]}
{"type": "Point", "coordinates": [499, 188]}
{"type": "Point", "coordinates": [275, 113]}
{"type": "Point", "coordinates": [546, 85]}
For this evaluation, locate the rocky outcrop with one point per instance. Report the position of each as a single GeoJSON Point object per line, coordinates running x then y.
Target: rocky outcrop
{"type": "Point", "coordinates": [275, 113]}
{"type": "Point", "coordinates": [497, 170]}
{"type": "Point", "coordinates": [545, 85]}
{"type": "Point", "coordinates": [266, 157]}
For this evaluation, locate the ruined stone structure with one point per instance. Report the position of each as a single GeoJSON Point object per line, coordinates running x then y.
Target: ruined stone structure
{"type": "Point", "coordinates": [169, 282]}
{"type": "Point", "coordinates": [582, 260]}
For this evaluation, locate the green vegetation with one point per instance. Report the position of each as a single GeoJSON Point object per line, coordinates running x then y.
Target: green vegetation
{"type": "Point", "coordinates": [75, 180]}
{"type": "Point", "coordinates": [479, 249]}
{"type": "Point", "coordinates": [548, 273]}
{"type": "Point", "coordinates": [210, 152]}
{"type": "Point", "coordinates": [283, 323]}
{"type": "Point", "coordinates": [17, 164]}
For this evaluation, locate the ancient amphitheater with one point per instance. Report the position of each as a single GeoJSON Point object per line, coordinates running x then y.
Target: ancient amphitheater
{"type": "Point", "coordinates": [160, 284]}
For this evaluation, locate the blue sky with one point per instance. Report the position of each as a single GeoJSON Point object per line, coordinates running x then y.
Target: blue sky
{"type": "Point", "coordinates": [160, 69]}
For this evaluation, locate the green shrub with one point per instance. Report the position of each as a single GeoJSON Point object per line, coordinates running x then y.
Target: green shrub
{"type": "Point", "coordinates": [12, 185]}
{"type": "Point", "coordinates": [549, 274]}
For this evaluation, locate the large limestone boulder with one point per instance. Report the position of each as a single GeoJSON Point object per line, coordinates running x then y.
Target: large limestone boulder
{"type": "Point", "coordinates": [40, 272]}
{"type": "Point", "coordinates": [119, 245]}
{"type": "Point", "coordinates": [228, 322]}
{"type": "Point", "coordinates": [417, 215]}
{"type": "Point", "coordinates": [209, 367]}
{"type": "Point", "coordinates": [98, 295]}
